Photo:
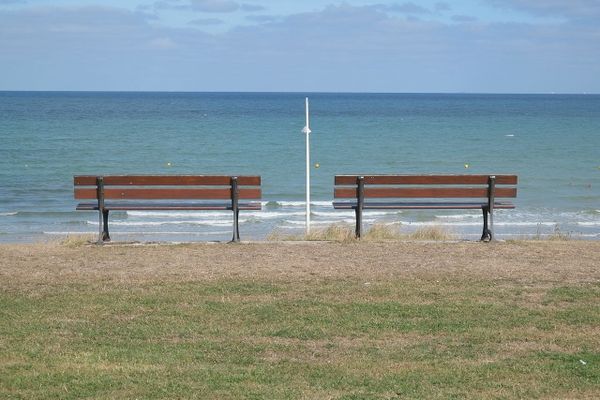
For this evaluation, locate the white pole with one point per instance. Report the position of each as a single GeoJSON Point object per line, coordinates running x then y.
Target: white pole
{"type": "Point", "coordinates": [306, 130]}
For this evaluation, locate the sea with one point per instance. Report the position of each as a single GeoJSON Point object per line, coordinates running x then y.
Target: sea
{"type": "Point", "coordinates": [551, 141]}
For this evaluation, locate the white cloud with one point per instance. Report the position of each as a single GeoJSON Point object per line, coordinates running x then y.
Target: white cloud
{"type": "Point", "coordinates": [572, 9]}
{"type": "Point", "coordinates": [406, 8]}
{"type": "Point", "coordinates": [336, 48]}
{"type": "Point", "coordinates": [262, 18]}
{"type": "Point", "coordinates": [209, 6]}
{"type": "Point", "coordinates": [442, 6]}
{"type": "Point", "coordinates": [251, 7]}
{"type": "Point", "coordinates": [206, 21]}
{"type": "Point", "coordinates": [163, 43]}
{"type": "Point", "coordinates": [215, 6]}
{"type": "Point", "coordinates": [463, 18]}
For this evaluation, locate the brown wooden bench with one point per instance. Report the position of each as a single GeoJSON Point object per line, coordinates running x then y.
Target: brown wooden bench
{"type": "Point", "coordinates": [166, 192]}
{"type": "Point", "coordinates": [368, 192]}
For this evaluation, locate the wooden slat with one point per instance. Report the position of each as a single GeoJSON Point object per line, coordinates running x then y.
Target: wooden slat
{"type": "Point", "coordinates": [424, 192]}
{"type": "Point", "coordinates": [166, 206]}
{"type": "Point", "coordinates": [420, 205]}
{"type": "Point", "coordinates": [84, 180]}
{"type": "Point", "coordinates": [166, 180]}
{"type": "Point", "coordinates": [170, 194]}
{"type": "Point", "coordinates": [426, 179]}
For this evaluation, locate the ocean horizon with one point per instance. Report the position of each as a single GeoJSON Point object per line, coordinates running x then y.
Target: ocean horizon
{"type": "Point", "coordinates": [550, 141]}
{"type": "Point", "coordinates": [303, 93]}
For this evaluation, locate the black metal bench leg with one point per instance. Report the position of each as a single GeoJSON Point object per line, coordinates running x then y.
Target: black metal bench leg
{"type": "Point", "coordinates": [104, 235]}
{"type": "Point", "coordinates": [360, 201]}
{"type": "Point", "coordinates": [236, 226]}
{"type": "Point", "coordinates": [358, 229]}
{"type": "Point", "coordinates": [486, 236]}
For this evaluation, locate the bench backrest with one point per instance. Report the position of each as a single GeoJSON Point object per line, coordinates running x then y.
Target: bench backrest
{"type": "Point", "coordinates": [167, 187]}
{"type": "Point", "coordinates": [424, 186]}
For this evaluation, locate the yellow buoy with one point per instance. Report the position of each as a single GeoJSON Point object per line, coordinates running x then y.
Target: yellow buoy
{"type": "Point", "coordinates": [466, 165]}
{"type": "Point", "coordinates": [317, 165]}
{"type": "Point", "coordinates": [168, 164]}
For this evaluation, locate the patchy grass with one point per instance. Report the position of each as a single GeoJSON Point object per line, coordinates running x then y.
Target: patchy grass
{"type": "Point", "coordinates": [557, 235]}
{"type": "Point", "coordinates": [332, 233]}
{"type": "Point", "coordinates": [344, 233]}
{"type": "Point", "coordinates": [171, 332]}
{"type": "Point", "coordinates": [431, 233]}
{"type": "Point", "coordinates": [78, 240]}
{"type": "Point", "coordinates": [335, 232]}
{"type": "Point", "coordinates": [382, 232]}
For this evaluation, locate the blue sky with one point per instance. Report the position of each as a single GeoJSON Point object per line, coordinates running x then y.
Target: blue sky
{"type": "Point", "coordinates": [499, 46]}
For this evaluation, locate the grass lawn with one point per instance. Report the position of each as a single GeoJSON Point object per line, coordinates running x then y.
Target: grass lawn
{"type": "Point", "coordinates": [384, 336]}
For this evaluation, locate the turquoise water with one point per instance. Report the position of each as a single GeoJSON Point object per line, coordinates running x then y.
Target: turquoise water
{"type": "Point", "coordinates": [551, 141]}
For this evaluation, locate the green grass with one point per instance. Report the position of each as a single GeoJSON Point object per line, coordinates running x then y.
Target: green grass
{"type": "Point", "coordinates": [250, 339]}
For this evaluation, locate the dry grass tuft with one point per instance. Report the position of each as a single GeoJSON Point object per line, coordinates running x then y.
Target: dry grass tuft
{"type": "Point", "coordinates": [344, 233]}
{"type": "Point", "coordinates": [78, 240]}
{"type": "Point", "coordinates": [333, 233]}
{"type": "Point", "coordinates": [278, 236]}
{"type": "Point", "coordinates": [431, 233]}
{"type": "Point", "coordinates": [556, 236]}
{"type": "Point", "coordinates": [382, 232]}
{"type": "Point", "coordinates": [559, 235]}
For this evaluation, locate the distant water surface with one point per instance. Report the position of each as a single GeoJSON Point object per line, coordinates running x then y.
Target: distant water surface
{"type": "Point", "coordinates": [551, 141]}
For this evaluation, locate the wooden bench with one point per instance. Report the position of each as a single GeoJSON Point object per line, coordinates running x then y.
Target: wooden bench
{"type": "Point", "coordinates": [165, 193]}
{"type": "Point", "coordinates": [368, 192]}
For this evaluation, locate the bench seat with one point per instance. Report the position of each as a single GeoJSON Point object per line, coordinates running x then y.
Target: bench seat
{"type": "Point", "coordinates": [167, 206]}
{"type": "Point", "coordinates": [425, 192]}
{"type": "Point", "coordinates": [343, 205]}
{"type": "Point", "coordinates": [166, 193]}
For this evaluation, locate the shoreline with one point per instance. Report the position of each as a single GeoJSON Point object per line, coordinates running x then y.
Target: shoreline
{"type": "Point", "coordinates": [521, 223]}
